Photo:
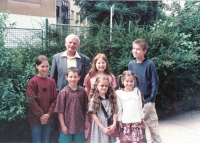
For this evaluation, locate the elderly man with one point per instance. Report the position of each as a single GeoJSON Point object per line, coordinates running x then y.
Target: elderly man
{"type": "Point", "coordinates": [69, 58]}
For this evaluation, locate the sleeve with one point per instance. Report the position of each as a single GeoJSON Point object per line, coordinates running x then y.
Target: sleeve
{"type": "Point", "coordinates": [114, 83]}
{"type": "Point", "coordinates": [90, 110]}
{"type": "Point", "coordinates": [129, 66]}
{"type": "Point", "coordinates": [85, 101]}
{"type": "Point", "coordinates": [53, 98]}
{"type": "Point", "coordinates": [31, 96]}
{"type": "Point", "coordinates": [60, 103]}
{"type": "Point", "coordinates": [119, 107]}
{"type": "Point", "coordinates": [87, 85]}
{"type": "Point", "coordinates": [54, 72]}
{"type": "Point", "coordinates": [154, 83]}
{"type": "Point", "coordinates": [87, 66]}
{"type": "Point", "coordinates": [140, 105]}
{"type": "Point", "coordinates": [85, 82]}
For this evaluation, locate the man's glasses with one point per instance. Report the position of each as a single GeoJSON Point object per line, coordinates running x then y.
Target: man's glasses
{"type": "Point", "coordinates": [104, 86]}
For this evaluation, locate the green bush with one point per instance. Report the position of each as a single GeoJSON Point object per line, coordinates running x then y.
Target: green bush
{"type": "Point", "coordinates": [15, 70]}
{"type": "Point", "coordinates": [173, 53]}
{"type": "Point", "coordinates": [11, 87]}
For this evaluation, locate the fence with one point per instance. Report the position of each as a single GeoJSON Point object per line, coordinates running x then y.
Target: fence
{"type": "Point", "coordinates": [60, 31]}
{"type": "Point", "coordinates": [20, 37]}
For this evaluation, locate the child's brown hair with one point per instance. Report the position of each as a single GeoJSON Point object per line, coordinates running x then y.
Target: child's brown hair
{"type": "Point", "coordinates": [142, 42]}
{"type": "Point", "coordinates": [72, 69]}
{"type": "Point", "coordinates": [129, 73]}
{"type": "Point", "coordinates": [110, 95]}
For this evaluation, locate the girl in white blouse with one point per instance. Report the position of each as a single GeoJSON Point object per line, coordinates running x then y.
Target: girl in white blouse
{"type": "Point", "coordinates": [130, 114]}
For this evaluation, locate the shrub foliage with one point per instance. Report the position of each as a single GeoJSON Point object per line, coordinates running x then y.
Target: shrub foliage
{"type": "Point", "coordinates": [173, 49]}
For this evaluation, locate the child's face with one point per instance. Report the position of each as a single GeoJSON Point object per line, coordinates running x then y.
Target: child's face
{"type": "Point", "coordinates": [73, 79]}
{"type": "Point", "coordinates": [43, 69]}
{"type": "Point", "coordinates": [103, 87]}
{"type": "Point", "coordinates": [101, 65]}
{"type": "Point", "coordinates": [138, 51]}
{"type": "Point", "coordinates": [128, 83]}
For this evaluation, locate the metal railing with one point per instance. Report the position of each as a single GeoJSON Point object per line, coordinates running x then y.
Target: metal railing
{"type": "Point", "coordinates": [60, 31]}
{"type": "Point", "coordinates": [21, 37]}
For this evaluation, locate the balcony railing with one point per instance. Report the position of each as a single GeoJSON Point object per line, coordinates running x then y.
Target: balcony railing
{"type": "Point", "coordinates": [65, 5]}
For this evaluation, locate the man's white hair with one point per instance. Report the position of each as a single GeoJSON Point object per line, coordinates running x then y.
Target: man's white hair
{"type": "Point", "coordinates": [72, 35]}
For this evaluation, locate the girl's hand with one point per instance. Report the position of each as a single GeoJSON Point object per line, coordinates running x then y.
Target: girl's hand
{"type": "Point", "coordinates": [111, 128]}
{"type": "Point", "coordinates": [106, 131]}
{"type": "Point", "coordinates": [43, 123]}
{"type": "Point", "coordinates": [44, 119]}
{"type": "Point", "coordinates": [64, 129]}
{"type": "Point", "coordinates": [120, 124]}
{"type": "Point", "coordinates": [143, 123]}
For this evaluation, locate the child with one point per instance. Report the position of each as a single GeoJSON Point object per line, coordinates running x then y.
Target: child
{"type": "Point", "coordinates": [72, 109]}
{"type": "Point", "coordinates": [129, 103]}
{"type": "Point", "coordinates": [146, 71]}
{"type": "Point", "coordinates": [41, 95]}
{"type": "Point", "coordinates": [100, 66]}
{"type": "Point", "coordinates": [102, 94]}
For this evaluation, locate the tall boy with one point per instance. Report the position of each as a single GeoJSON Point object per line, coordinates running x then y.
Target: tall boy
{"type": "Point", "coordinates": [72, 108]}
{"type": "Point", "coordinates": [149, 81]}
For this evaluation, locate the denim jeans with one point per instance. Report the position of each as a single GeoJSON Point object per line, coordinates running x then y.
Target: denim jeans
{"type": "Point", "coordinates": [68, 138]}
{"type": "Point", "coordinates": [40, 133]}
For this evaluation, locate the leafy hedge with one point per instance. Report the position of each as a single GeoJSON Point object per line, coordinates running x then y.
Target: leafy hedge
{"type": "Point", "coordinates": [174, 52]}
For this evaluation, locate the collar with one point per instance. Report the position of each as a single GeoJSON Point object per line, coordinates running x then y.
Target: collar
{"type": "Point", "coordinates": [101, 98]}
{"type": "Point", "coordinates": [64, 54]}
{"type": "Point", "coordinates": [142, 61]}
{"type": "Point", "coordinates": [70, 89]}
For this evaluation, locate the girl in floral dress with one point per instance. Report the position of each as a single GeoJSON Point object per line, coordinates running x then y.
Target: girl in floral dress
{"type": "Point", "coordinates": [130, 114]}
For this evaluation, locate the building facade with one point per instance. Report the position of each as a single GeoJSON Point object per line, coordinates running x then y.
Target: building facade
{"type": "Point", "coordinates": [41, 8]}
{"type": "Point", "coordinates": [67, 12]}
{"type": "Point", "coordinates": [29, 13]}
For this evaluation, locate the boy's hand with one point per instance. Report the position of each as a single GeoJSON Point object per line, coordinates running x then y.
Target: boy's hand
{"type": "Point", "coordinates": [64, 129]}
{"type": "Point", "coordinates": [152, 103]}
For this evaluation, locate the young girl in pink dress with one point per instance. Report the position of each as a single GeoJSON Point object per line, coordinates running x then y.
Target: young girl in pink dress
{"type": "Point", "coordinates": [100, 66]}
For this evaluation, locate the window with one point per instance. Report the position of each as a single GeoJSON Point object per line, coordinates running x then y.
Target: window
{"type": "Point", "coordinates": [57, 11]}
{"type": "Point", "coordinates": [65, 3]}
{"type": "Point", "coordinates": [72, 14]}
{"type": "Point", "coordinates": [77, 16]}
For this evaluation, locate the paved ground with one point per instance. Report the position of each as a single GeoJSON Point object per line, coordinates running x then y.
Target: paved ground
{"type": "Point", "coordinates": [182, 128]}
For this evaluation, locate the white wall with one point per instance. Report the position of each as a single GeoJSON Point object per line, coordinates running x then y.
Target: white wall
{"type": "Point", "coordinates": [25, 21]}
